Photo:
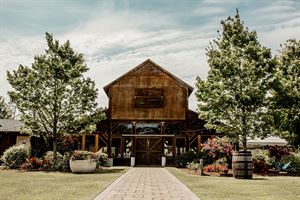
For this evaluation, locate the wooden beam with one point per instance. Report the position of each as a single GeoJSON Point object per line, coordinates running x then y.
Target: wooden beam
{"type": "Point", "coordinates": [174, 146]}
{"type": "Point", "coordinates": [83, 141]}
{"type": "Point", "coordinates": [133, 145]}
{"type": "Point", "coordinates": [162, 132]}
{"type": "Point", "coordinates": [122, 147]}
{"type": "Point", "coordinates": [109, 141]}
{"type": "Point", "coordinates": [187, 146]}
{"type": "Point", "coordinates": [199, 143]}
{"type": "Point", "coordinates": [192, 139]}
{"type": "Point", "coordinates": [96, 142]}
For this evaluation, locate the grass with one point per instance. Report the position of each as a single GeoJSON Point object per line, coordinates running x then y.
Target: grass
{"type": "Point", "coordinates": [18, 185]}
{"type": "Point", "coordinates": [225, 188]}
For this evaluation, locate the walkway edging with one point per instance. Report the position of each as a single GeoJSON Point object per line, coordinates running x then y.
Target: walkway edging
{"type": "Point", "coordinates": [147, 184]}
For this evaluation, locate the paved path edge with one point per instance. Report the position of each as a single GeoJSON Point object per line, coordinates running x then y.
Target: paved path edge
{"type": "Point", "coordinates": [195, 197]}
{"type": "Point", "coordinates": [108, 187]}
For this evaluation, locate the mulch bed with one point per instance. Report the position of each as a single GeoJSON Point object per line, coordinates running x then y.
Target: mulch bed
{"type": "Point", "coordinates": [197, 173]}
{"type": "Point", "coordinates": [229, 174]}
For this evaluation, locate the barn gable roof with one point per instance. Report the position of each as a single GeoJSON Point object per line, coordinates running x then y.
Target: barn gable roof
{"type": "Point", "coordinates": [10, 125]}
{"type": "Point", "coordinates": [190, 88]}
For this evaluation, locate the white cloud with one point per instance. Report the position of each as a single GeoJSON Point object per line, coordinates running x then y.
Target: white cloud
{"type": "Point", "coordinates": [206, 10]}
{"type": "Point", "coordinates": [221, 1]}
{"type": "Point", "coordinates": [273, 38]}
{"type": "Point", "coordinates": [115, 42]}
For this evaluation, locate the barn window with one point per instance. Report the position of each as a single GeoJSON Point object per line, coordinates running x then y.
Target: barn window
{"type": "Point", "coordinates": [149, 98]}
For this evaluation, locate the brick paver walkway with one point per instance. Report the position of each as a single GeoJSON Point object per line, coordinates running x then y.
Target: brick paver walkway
{"type": "Point", "coordinates": [146, 184]}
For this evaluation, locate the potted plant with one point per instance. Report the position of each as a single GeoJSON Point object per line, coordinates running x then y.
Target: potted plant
{"type": "Point", "coordinates": [83, 162]}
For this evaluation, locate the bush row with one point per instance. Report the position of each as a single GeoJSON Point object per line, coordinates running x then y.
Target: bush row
{"type": "Point", "coordinates": [214, 150]}
{"type": "Point", "coordinates": [19, 157]}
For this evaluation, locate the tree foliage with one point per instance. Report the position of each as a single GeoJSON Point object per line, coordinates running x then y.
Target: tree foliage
{"type": "Point", "coordinates": [5, 111]}
{"type": "Point", "coordinates": [52, 95]}
{"type": "Point", "coordinates": [286, 92]}
{"type": "Point", "coordinates": [233, 98]}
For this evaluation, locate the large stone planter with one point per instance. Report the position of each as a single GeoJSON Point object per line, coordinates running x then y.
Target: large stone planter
{"type": "Point", "coordinates": [83, 166]}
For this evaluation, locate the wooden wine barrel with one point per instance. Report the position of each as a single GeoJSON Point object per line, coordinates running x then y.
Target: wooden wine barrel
{"type": "Point", "coordinates": [242, 164]}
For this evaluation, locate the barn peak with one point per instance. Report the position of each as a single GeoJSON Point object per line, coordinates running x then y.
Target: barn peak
{"type": "Point", "coordinates": [154, 68]}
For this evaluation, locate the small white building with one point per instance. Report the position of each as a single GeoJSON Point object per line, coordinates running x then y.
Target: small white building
{"type": "Point", "coordinates": [269, 141]}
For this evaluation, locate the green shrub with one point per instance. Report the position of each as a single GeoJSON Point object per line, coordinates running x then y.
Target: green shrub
{"type": "Point", "coordinates": [15, 156]}
{"type": "Point", "coordinates": [222, 161]}
{"type": "Point", "coordinates": [185, 158]}
{"type": "Point", "coordinates": [296, 163]}
{"type": "Point", "coordinates": [66, 163]}
{"type": "Point", "coordinates": [259, 154]}
{"type": "Point", "coordinates": [102, 159]}
{"type": "Point", "coordinates": [49, 164]}
{"type": "Point", "coordinates": [294, 166]}
{"type": "Point", "coordinates": [193, 166]}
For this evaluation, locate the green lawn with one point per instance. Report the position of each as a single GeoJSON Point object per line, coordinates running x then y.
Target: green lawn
{"type": "Point", "coordinates": [222, 188]}
{"type": "Point", "coordinates": [18, 185]}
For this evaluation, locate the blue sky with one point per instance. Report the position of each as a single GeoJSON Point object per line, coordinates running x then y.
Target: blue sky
{"type": "Point", "coordinates": [116, 36]}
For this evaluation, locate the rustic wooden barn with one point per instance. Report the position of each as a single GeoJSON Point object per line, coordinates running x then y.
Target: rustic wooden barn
{"type": "Point", "coordinates": [148, 117]}
{"type": "Point", "coordinates": [10, 134]}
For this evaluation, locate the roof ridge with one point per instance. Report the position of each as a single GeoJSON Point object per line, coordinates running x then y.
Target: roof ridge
{"type": "Point", "coordinates": [190, 88]}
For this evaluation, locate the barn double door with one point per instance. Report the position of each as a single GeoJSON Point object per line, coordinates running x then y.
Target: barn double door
{"type": "Point", "coordinates": [148, 151]}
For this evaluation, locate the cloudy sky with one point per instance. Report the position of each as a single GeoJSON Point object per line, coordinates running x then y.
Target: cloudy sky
{"type": "Point", "coordinates": [116, 36]}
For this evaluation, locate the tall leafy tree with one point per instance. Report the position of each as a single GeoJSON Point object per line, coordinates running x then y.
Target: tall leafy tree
{"type": "Point", "coordinates": [285, 102]}
{"type": "Point", "coordinates": [233, 97]}
{"type": "Point", "coordinates": [52, 95]}
{"type": "Point", "coordinates": [5, 111]}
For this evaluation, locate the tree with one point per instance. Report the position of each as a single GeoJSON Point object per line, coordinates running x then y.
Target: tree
{"type": "Point", "coordinates": [52, 95]}
{"type": "Point", "coordinates": [5, 111]}
{"type": "Point", "coordinates": [233, 98]}
{"type": "Point", "coordinates": [285, 102]}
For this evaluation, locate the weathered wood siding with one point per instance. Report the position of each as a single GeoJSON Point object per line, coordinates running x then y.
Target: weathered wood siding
{"type": "Point", "coordinates": [122, 96]}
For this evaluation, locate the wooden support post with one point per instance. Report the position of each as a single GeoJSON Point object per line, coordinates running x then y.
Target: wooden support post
{"type": "Point", "coordinates": [122, 147]}
{"type": "Point", "coordinates": [83, 140]}
{"type": "Point", "coordinates": [133, 147]}
{"type": "Point", "coordinates": [109, 141]}
{"type": "Point", "coordinates": [162, 132]}
{"type": "Point", "coordinates": [199, 143]}
{"type": "Point", "coordinates": [187, 142]}
{"type": "Point", "coordinates": [174, 146]}
{"type": "Point", "coordinates": [96, 142]}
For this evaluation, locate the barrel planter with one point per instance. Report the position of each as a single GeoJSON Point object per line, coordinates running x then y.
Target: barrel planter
{"type": "Point", "coordinates": [83, 166]}
{"type": "Point", "coordinates": [242, 164]}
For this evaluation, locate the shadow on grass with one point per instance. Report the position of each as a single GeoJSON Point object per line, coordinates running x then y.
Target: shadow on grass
{"type": "Point", "coordinates": [108, 171]}
{"type": "Point", "coordinates": [259, 179]}
{"type": "Point", "coordinates": [99, 171]}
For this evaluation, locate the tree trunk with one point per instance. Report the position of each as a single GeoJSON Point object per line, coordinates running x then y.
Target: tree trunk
{"type": "Point", "coordinates": [244, 129]}
{"type": "Point", "coordinates": [55, 150]}
{"type": "Point", "coordinates": [244, 141]}
{"type": "Point", "coordinates": [236, 144]}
